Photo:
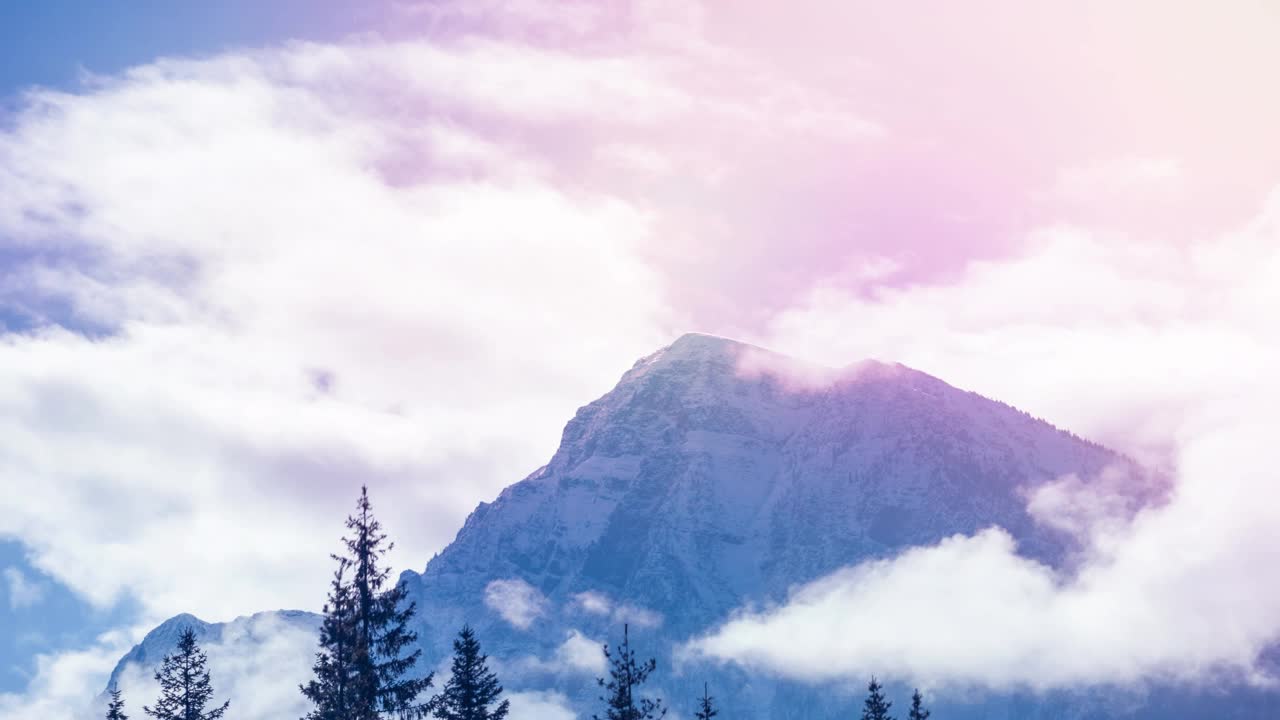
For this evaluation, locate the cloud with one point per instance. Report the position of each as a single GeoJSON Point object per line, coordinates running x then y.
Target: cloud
{"type": "Point", "coordinates": [540, 705]}
{"type": "Point", "coordinates": [597, 603]}
{"type": "Point", "coordinates": [638, 616]}
{"type": "Point", "coordinates": [23, 593]}
{"type": "Point", "coordinates": [212, 365]}
{"type": "Point", "coordinates": [1121, 175]}
{"type": "Point", "coordinates": [593, 602]}
{"type": "Point", "coordinates": [65, 683]}
{"type": "Point", "coordinates": [518, 602]}
{"type": "Point", "coordinates": [581, 653]}
{"type": "Point", "coordinates": [1167, 352]}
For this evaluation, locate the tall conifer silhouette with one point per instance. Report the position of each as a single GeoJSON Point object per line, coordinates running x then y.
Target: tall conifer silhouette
{"type": "Point", "coordinates": [876, 707]}
{"type": "Point", "coordinates": [473, 688]}
{"type": "Point", "coordinates": [706, 706]}
{"type": "Point", "coordinates": [382, 684]}
{"type": "Point", "coordinates": [625, 675]}
{"type": "Point", "coordinates": [917, 711]}
{"type": "Point", "coordinates": [115, 708]}
{"type": "Point", "coordinates": [330, 688]}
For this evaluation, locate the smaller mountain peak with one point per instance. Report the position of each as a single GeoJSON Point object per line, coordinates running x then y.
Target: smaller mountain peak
{"type": "Point", "coordinates": [183, 620]}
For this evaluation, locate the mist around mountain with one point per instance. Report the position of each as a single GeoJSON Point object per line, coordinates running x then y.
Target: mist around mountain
{"type": "Point", "coordinates": [717, 477]}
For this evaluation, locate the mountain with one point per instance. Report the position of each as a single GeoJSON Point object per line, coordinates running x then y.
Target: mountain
{"type": "Point", "coordinates": [256, 660]}
{"type": "Point", "coordinates": [718, 475]}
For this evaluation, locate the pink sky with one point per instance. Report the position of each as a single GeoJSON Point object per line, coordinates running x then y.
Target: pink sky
{"type": "Point", "coordinates": [930, 134]}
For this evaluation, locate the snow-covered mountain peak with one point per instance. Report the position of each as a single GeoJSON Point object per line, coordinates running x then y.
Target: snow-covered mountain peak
{"type": "Point", "coordinates": [718, 473]}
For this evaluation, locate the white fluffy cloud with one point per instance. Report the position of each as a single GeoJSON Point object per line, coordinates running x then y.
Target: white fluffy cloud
{"type": "Point", "coordinates": [65, 684]}
{"type": "Point", "coordinates": [540, 705]}
{"type": "Point", "coordinates": [253, 286]}
{"type": "Point", "coordinates": [1168, 352]}
{"type": "Point", "coordinates": [518, 602]}
{"type": "Point", "coordinates": [581, 653]}
{"type": "Point", "coordinates": [592, 602]}
{"type": "Point", "coordinates": [597, 603]}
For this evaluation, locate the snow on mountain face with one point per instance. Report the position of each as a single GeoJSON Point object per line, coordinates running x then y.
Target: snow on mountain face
{"type": "Point", "coordinates": [707, 480]}
{"type": "Point", "coordinates": [693, 487]}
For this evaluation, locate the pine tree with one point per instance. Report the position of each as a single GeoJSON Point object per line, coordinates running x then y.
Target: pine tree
{"type": "Point", "coordinates": [184, 684]}
{"type": "Point", "coordinates": [625, 674]}
{"type": "Point", "coordinates": [473, 687]}
{"type": "Point", "coordinates": [706, 708]}
{"type": "Point", "coordinates": [876, 707]}
{"type": "Point", "coordinates": [115, 708]}
{"type": "Point", "coordinates": [330, 687]}
{"type": "Point", "coordinates": [917, 708]}
{"type": "Point", "coordinates": [380, 636]}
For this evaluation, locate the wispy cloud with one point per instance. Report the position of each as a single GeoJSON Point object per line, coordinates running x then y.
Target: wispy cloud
{"type": "Point", "coordinates": [518, 602]}
{"type": "Point", "coordinates": [24, 592]}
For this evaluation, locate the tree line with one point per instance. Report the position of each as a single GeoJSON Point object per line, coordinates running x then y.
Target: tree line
{"type": "Point", "coordinates": [364, 667]}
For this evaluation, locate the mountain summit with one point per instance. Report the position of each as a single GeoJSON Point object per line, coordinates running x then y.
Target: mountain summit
{"type": "Point", "coordinates": [708, 477]}
{"type": "Point", "coordinates": [717, 475]}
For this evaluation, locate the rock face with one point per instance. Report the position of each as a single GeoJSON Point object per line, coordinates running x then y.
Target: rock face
{"type": "Point", "coordinates": [695, 486]}
{"type": "Point", "coordinates": [718, 475]}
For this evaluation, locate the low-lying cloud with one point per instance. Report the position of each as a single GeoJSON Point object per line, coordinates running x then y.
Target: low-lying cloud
{"type": "Point", "coordinates": [1168, 352]}
{"type": "Point", "coordinates": [518, 602]}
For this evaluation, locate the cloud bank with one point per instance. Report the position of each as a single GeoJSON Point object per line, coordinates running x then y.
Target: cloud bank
{"type": "Point", "coordinates": [1167, 352]}
{"type": "Point", "coordinates": [232, 291]}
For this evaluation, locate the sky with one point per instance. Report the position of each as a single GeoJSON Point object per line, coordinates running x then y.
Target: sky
{"type": "Point", "coordinates": [255, 253]}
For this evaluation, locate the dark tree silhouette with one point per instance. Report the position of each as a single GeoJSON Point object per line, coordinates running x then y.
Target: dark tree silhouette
{"type": "Point", "coordinates": [706, 706]}
{"type": "Point", "coordinates": [115, 708]}
{"type": "Point", "coordinates": [330, 688]}
{"type": "Point", "coordinates": [381, 684]}
{"type": "Point", "coordinates": [917, 707]}
{"type": "Point", "coordinates": [473, 688]}
{"type": "Point", "coordinates": [876, 706]}
{"type": "Point", "coordinates": [185, 689]}
{"type": "Point", "coordinates": [625, 674]}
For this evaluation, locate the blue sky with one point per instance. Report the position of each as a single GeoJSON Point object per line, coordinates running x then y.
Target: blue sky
{"type": "Point", "coordinates": [50, 42]}
{"type": "Point", "coordinates": [45, 616]}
